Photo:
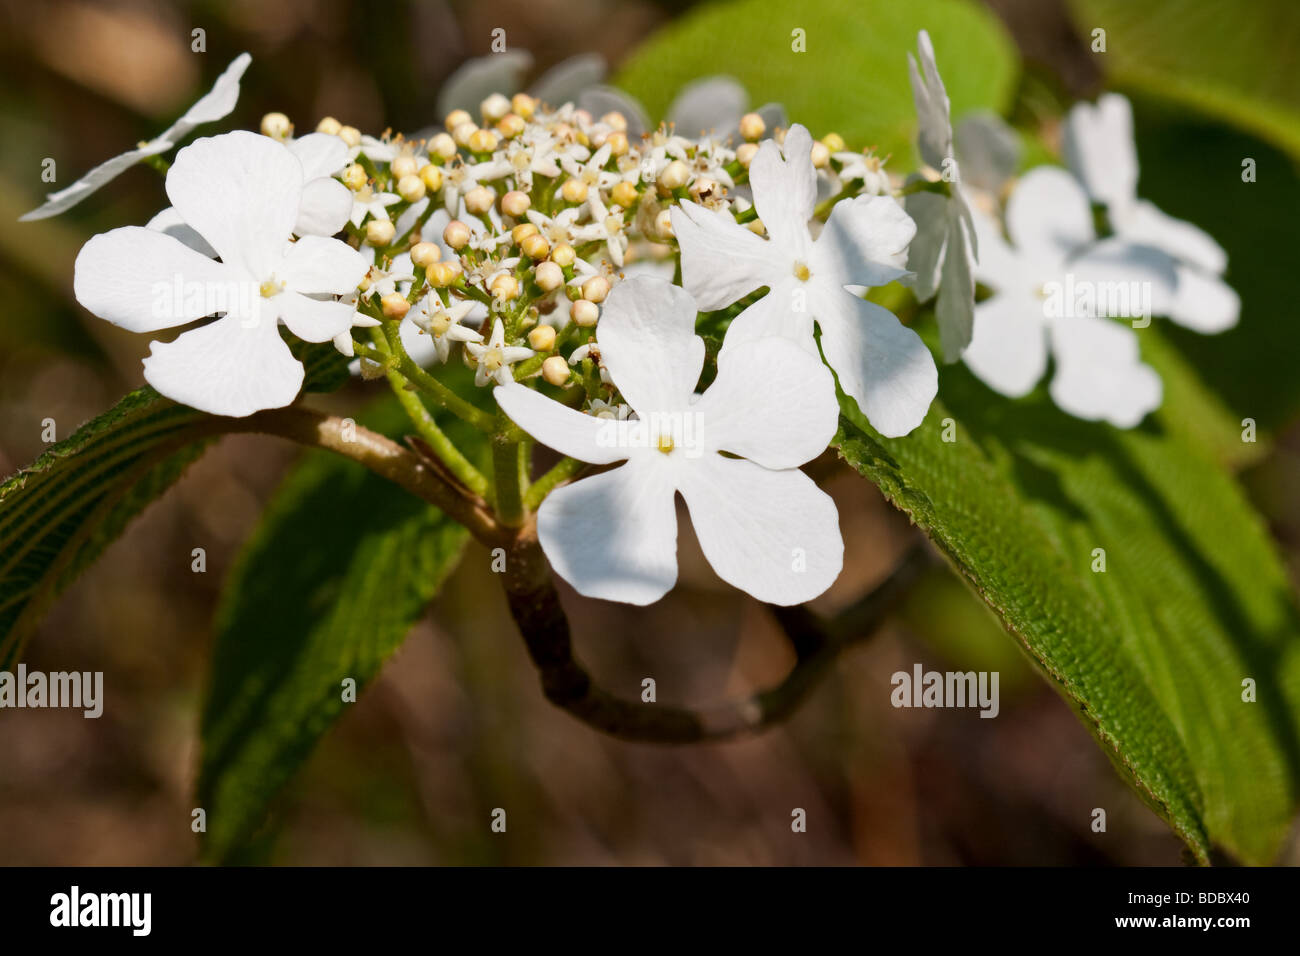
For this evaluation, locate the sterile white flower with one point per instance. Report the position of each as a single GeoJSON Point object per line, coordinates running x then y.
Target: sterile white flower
{"type": "Point", "coordinates": [241, 193]}
{"type": "Point", "coordinates": [216, 104]}
{"type": "Point", "coordinates": [880, 362]}
{"type": "Point", "coordinates": [944, 251]}
{"type": "Point", "coordinates": [1100, 149]}
{"type": "Point", "coordinates": [1050, 293]}
{"type": "Point", "coordinates": [493, 360]}
{"type": "Point", "coordinates": [763, 524]}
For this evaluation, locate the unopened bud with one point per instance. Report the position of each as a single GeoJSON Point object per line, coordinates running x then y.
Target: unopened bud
{"type": "Point", "coordinates": [431, 176]}
{"type": "Point", "coordinates": [674, 175]}
{"type": "Point", "coordinates": [746, 152]}
{"type": "Point", "coordinates": [584, 313]}
{"type": "Point", "coordinates": [549, 276]}
{"type": "Point", "coordinates": [354, 177]}
{"type": "Point", "coordinates": [555, 370]}
{"type": "Point", "coordinates": [380, 232]}
{"type": "Point", "coordinates": [523, 104]}
{"type": "Point", "coordinates": [535, 247]}
{"type": "Point", "coordinates": [504, 286]}
{"type": "Point", "coordinates": [623, 194]}
{"type": "Point", "coordinates": [463, 132]}
{"type": "Point", "coordinates": [350, 135]}
{"type": "Point", "coordinates": [595, 289]}
{"type": "Point", "coordinates": [402, 166]}
{"type": "Point", "coordinates": [277, 126]}
{"type": "Point", "coordinates": [542, 339]}
{"type": "Point", "coordinates": [515, 203]}
{"type": "Point", "coordinates": [457, 118]}
{"type": "Point", "coordinates": [820, 155]}
{"type": "Point", "coordinates": [329, 125]}
{"type": "Point", "coordinates": [411, 188]}
{"type": "Point", "coordinates": [442, 146]}
{"type": "Point", "coordinates": [482, 141]}
{"type": "Point", "coordinates": [664, 224]}
{"type": "Point", "coordinates": [522, 231]}
{"type": "Point", "coordinates": [480, 199]}
{"type": "Point", "coordinates": [511, 125]}
{"type": "Point", "coordinates": [617, 143]}
{"type": "Point", "coordinates": [425, 254]}
{"type": "Point", "coordinates": [395, 305]}
{"type": "Point", "coordinates": [456, 235]}
{"type": "Point", "coordinates": [494, 107]}
{"type": "Point", "coordinates": [752, 127]}
{"type": "Point", "coordinates": [834, 142]}
{"type": "Point", "coordinates": [443, 274]}
{"type": "Point", "coordinates": [563, 255]}
{"type": "Point", "coordinates": [574, 190]}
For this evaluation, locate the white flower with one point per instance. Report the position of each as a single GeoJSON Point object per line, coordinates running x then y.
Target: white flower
{"type": "Point", "coordinates": [1053, 290]}
{"type": "Point", "coordinates": [493, 360]}
{"type": "Point", "coordinates": [944, 251]}
{"type": "Point", "coordinates": [868, 168]}
{"type": "Point", "coordinates": [764, 525]}
{"type": "Point", "coordinates": [1099, 148]}
{"type": "Point", "coordinates": [241, 193]}
{"type": "Point", "coordinates": [367, 202]}
{"type": "Point", "coordinates": [435, 327]}
{"type": "Point", "coordinates": [215, 105]}
{"type": "Point", "coordinates": [880, 362]}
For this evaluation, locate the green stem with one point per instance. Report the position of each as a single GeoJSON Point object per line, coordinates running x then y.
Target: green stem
{"type": "Point", "coordinates": [559, 473]}
{"type": "Point", "coordinates": [439, 392]}
{"type": "Point", "coordinates": [428, 429]}
{"type": "Point", "coordinates": [508, 458]}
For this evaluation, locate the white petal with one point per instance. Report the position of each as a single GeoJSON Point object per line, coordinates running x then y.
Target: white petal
{"type": "Point", "coordinates": [785, 189]}
{"type": "Point", "coordinates": [216, 104]}
{"type": "Point", "coordinates": [934, 132]}
{"type": "Point", "coordinates": [785, 311]}
{"type": "Point", "coordinates": [321, 155]}
{"type": "Point", "coordinates": [144, 281]}
{"type": "Point", "coordinates": [1099, 375]}
{"type": "Point", "coordinates": [1144, 222]}
{"type": "Point", "coordinates": [1008, 348]}
{"type": "Point", "coordinates": [600, 99]}
{"type": "Point", "coordinates": [170, 223]}
{"type": "Point", "coordinates": [614, 535]}
{"type": "Point", "coordinates": [1127, 279]}
{"type": "Point", "coordinates": [241, 192]}
{"type": "Point", "coordinates": [722, 261]}
{"type": "Point", "coordinates": [557, 426]}
{"type": "Point", "coordinates": [998, 265]}
{"type": "Point", "coordinates": [648, 343]}
{"type": "Point", "coordinates": [565, 81]}
{"type": "Point", "coordinates": [315, 264]}
{"type": "Point", "coordinates": [1204, 302]}
{"type": "Point", "coordinates": [773, 534]}
{"type": "Point", "coordinates": [1099, 148]}
{"type": "Point", "coordinates": [325, 209]}
{"type": "Point", "coordinates": [772, 402]}
{"type": "Point", "coordinates": [955, 310]}
{"type": "Point", "coordinates": [989, 149]}
{"type": "Point", "coordinates": [313, 320]}
{"type": "Point", "coordinates": [110, 169]}
{"type": "Point", "coordinates": [226, 369]}
{"type": "Point", "coordinates": [710, 104]}
{"type": "Point", "coordinates": [925, 253]}
{"type": "Point", "coordinates": [880, 362]}
{"type": "Point", "coordinates": [1048, 216]}
{"type": "Point", "coordinates": [864, 243]}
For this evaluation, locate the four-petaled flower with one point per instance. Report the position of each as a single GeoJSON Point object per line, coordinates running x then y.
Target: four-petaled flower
{"type": "Point", "coordinates": [241, 193]}
{"type": "Point", "coordinates": [880, 362]}
{"type": "Point", "coordinates": [763, 524]}
{"type": "Point", "coordinates": [493, 360]}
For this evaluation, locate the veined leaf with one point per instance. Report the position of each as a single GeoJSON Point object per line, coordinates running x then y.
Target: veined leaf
{"type": "Point", "coordinates": [852, 76]}
{"type": "Point", "coordinates": [1152, 653]}
{"type": "Point", "coordinates": [58, 514]}
{"type": "Point", "coordinates": [340, 569]}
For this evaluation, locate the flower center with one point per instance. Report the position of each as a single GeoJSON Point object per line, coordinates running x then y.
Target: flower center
{"type": "Point", "coordinates": [801, 272]}
{"type": "Point", "coordinates": [440, 322]}
{"type": "Point", "coordinates": [270, 287]}
{"type": "Point", "coordinates": [493, 360]}
{"type": "Point", "coordinates": [665, 444]}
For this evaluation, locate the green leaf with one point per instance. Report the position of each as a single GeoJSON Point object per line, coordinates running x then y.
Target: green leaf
{"type": "Point", "coordinates": [1221, 56]}
{"type": "Point", "coordinates": [853, 78]}
{"type": "Point", "coordinates": [58, 514]}
{"type": "Point", "coordinates": [1152, 652]}
{"type": "Point", "coordinates": [341, 567]}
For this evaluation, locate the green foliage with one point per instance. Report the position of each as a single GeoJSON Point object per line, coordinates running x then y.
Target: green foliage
{"type": "Point", "coordinates": [339, 570]}
{"type": "Point", "coordinates": [1151, 652]}
{"type": "Point", "coordinates": [853, 78]}
{"type": "Point", "coordinates": [1223, 57]}
{"type": "Point", "coordinates": [58, 514]}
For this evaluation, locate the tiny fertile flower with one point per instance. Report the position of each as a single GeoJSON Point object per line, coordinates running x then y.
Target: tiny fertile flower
{"type": "Point", "coordinates": [1099, 148]}
{"type": "Point", "coordinates": [944, 251]}
{"type": "Point", "coordinates": [1053, 291]}
{"type": "Point", "coordinates": [440, 325]}
{"type": "Point", "coordinates": [241, 193]}
{"type": "Point", "coordinates": [494, 359]}
{"type": "Point", "coordinates": [764, 526]}
{"type": "Point", "coordinates": [214, 105]}
{"type": "Point", "coordinates": [880, 362]}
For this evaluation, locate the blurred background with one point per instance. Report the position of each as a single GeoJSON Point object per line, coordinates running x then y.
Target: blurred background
{"type": "Point", "coordinates": [455, 725]}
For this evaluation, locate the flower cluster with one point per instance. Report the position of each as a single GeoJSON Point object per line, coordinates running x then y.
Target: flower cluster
{"type": "Point", "coordinates": [566, 257]}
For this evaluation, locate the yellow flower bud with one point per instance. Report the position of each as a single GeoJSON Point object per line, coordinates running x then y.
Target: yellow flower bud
{"type": "Point", "coordinates": [664, 224]}
{"type": "Point", "coordinates": [425, 254]}
{"type": "Point", "coordinates": [350, 135]}
{"type": "Point", "coordinates": [617, 143]}
{"type": "Point", "coordinates": [443, 274]}
{"type": "Point", "coordinates": [277, 126]}
{"type": "Point", "coordinates": [515, 203]}
{"type": "Point", "coordinates": [511, 125]}
{"type": "Point", "coordinates": [431, 176]}
{"type": "Point", "coordinates": [584, 313]}
{"type": "Point", "coordinates": [442, 146]}
{"type": "Point", "coordinates": [329, 125]}
{"type": "Point", "coordinates": [482, 141]}
{"type": "Point", "coordinates": [595, 289]}
{"type": "Point", "coordinates": [505, 286]}
{"type": "Point", "coordinates": [745, 153]}
{"type": "Point", "coordinates": [623, 194]}
{"type": "Point", "coordinates": [674, 175]}
{"type": "Point", "coordinates": [395, 305]}
{"type": "Point", "coordinates": [563, 255]}
{"type": "Point", "coordinates": [411, 188]}
{"type": "Point", "coordinates": [456, 235]}
{"type": "Point", "coordinates": [834, 142]}
{"type": "Point", "coordinates": [480, 199]}
{"type": "Point", "coordinates": [522, 231]}
{"type": "Point", "coordinates": [380, 232]}
{"type": "Point", "coordinates": [752, 126]}
{"type": "Point", "coordinates": [354, 177]}
{"type": "Point", "coordinates": [555, 370]}
{"type": "Point", "coordinates": [574, 191]}
{"type": "Point", "coordinates": [463, 132]}
{"type": "Point", "coordinates": [494, 107]}
{"type": "Point", "coordinates": [820, 155]}
{"type": "Point", "coordinates": [457, 118]}
{"type": "Point", "coordinates": [549, 276]}
{"type": "Point", "coordinates": [523, 104]}
{"type": "Point", "coordinates": [542, 339]}
{"type": "Point", "coordinates": [402, 166]}
{"type": "Point", "coordinates": [535, 247]}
